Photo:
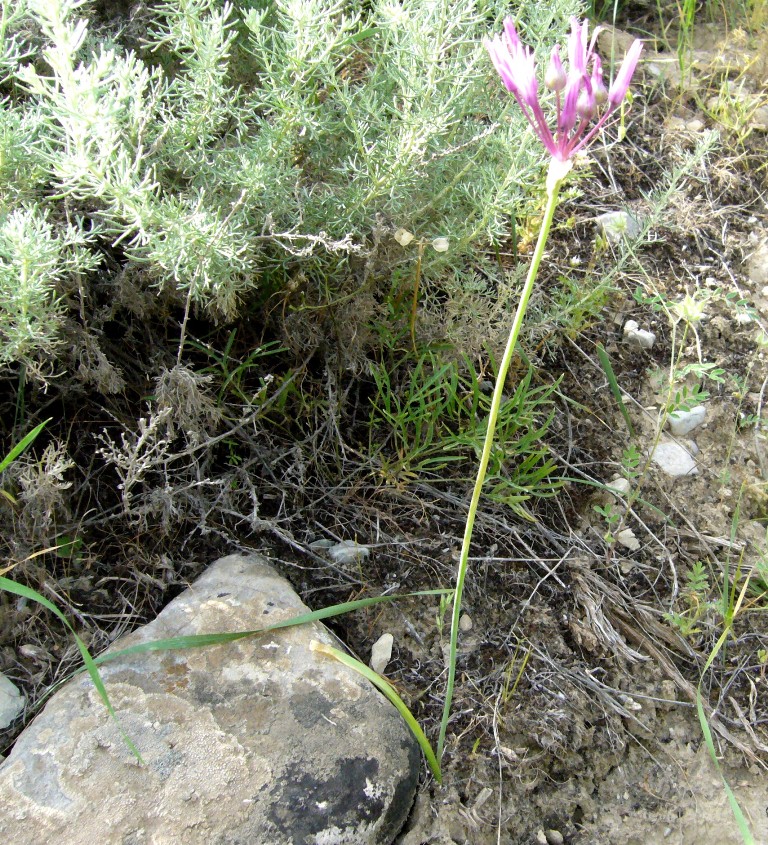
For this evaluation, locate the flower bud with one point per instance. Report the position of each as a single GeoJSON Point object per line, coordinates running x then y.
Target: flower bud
{"type": "Point", "coordinates": [598, 86]}
{"type": "Point", "coordinates": [403, 237]}
{"type": "Point", "coordinates": [555, 77]}
{"type": "Point", "coordinates": [586, 105]}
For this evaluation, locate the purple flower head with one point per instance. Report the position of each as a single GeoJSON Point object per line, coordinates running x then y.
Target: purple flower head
{"type": "Point", "coordinates": [580, 93]}
{"type": "Point", "coordinates": [515, 64]}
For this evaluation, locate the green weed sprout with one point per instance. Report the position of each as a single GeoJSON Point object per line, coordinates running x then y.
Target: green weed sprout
{"type": "Point", "coordinates": [579, 95]}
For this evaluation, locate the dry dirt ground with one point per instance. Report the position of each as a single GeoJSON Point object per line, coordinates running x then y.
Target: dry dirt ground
{"type": "Point", "coordinates": [574, 716]}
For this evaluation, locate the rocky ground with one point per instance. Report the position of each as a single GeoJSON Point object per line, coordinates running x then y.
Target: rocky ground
{"type": "Point", "coordinates": [574, 718]}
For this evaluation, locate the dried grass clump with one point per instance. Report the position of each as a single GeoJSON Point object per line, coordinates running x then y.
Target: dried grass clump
{"type": "Point", "coordinates": [187, 407]}
{"type": "Point", "coordinates": [43, 498]}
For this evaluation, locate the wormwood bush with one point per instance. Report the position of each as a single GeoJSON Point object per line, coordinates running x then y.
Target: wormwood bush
{"type": "Point", "coordinates": [239, 145]}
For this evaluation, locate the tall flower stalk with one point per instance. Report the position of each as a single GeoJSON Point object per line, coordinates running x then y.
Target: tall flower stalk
{"type": "Point", "coordinates": [583, 105]}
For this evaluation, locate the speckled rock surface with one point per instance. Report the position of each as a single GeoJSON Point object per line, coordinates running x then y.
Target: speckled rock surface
{"type": "Point", "coordinates": [257, 742]}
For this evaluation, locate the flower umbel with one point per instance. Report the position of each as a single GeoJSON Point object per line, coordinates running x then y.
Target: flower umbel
{"type": "Point", "coordinates": [579, 94]}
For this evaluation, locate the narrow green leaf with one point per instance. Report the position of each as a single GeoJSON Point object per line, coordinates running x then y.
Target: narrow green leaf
{"type": "Point", "coordinates": [741, 821]}
{"type": "Point", "coordinates": [23, 444]}
{"type": "Point", "coordinates": [198, 640]}
{"type": "Point", "coordinates": [605, 363]}
{"type": "Point", "coordinates": [391, 693]}
{"type": "Point", "coordinates": [193, 640]}
{"type": "Point", "coordinates": [90, 663]}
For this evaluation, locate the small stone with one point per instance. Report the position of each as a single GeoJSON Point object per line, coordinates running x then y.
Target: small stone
{"type": "Point", "coordinates": [637, 337]}
{"type": "Point", "coordinates": [11, 701]}
{"type": "Point", "coordinates": [465, 623]}
{"type": "Point", "coordinates": [681, 422]}
{"type": "Point", "coordinates": [674, 460]}
{"type": "Point", "coordinates": [381, 653]}
{"type": "Point", "coordinates": [620, 486]}
{"type": "Point", "coordinates": [757, 263]}
{"type": "Point", "coordinates": [667, 694]}
{"type": "Point", "coordinates": [554, 837]}
{"type": "Point", "coordinates": [627, 539]}
{"type": "Point", "coordinates": [348, 551]}
{"type": "Point", "coordinates": [630, 703]}
{"type": "Point", "coordinates": [541, 837]}
{"type": "Point", "coordinates": [759, 119]}
{"type": "Point", "coordinates": [616, 225]}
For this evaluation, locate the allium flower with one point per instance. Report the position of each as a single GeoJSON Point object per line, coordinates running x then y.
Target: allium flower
{"type": "Point", "coordinates": [580, 94]}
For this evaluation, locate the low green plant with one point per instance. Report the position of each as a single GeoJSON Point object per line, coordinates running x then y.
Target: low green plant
{"type": "Point", "coordinates": [696, 599]}
{"type": "Point", "coordinates": [577, 303]}
{"type": "Point", "coordinates": [686, 10]}
{"type": "Point", "coordinates": [516, 666]}
{"type": "Point", "coordinates": [604, 10]}
{"type": "Point", "coordinates": [613, 517]}
{"type": "Point", "coordinates": [734, 107]}
{"type": "Point", "coordinates": [431, 415]}
{"type": "Point", "coordinates": [231, 374]}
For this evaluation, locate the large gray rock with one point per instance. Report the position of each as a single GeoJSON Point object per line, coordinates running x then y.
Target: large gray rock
{"type": "Point", "coordinates": [256, 742]}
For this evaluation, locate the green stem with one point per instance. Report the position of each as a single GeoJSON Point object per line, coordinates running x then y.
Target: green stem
{"type": "Point", "coordinates": [558, 171]}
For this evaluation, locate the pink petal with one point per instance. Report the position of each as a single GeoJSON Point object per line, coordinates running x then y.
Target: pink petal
{"type": "Point", "coordinates": [620, 86]}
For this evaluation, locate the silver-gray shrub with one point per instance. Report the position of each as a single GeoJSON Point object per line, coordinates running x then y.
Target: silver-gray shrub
{"type": "Point", "coordinates": [239, 140]}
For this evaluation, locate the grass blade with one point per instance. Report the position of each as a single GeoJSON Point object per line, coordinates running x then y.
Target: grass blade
{"type": "Point", "coordinates": [90, 663]}
{"type": "Point", "coordinates": [198, 640]}
{"type": "Point", "coordinates": [191, 641]}
{"type": "Point", "coordinates": [605, 363]}
{"type": "Point", "coordinates": [23, 444]}
{"type": "Point", "coordinates": [738, 815]}
{"type": "Point", "coordinates": [391, 693]}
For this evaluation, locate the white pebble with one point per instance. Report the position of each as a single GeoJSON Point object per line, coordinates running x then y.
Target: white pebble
{"type": "Point", "coordinates": [674, 459]}
{"type": "Point", "coordinates": [620, 486]}
{"type": "Point", "coordinates": [627, 538]}
{"type": "Point", "coordinates": [381, 653]}
{"type": "Point", "coordinates": [681, 422]}
{"type": "Point", "coordinates": [637, 337]}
